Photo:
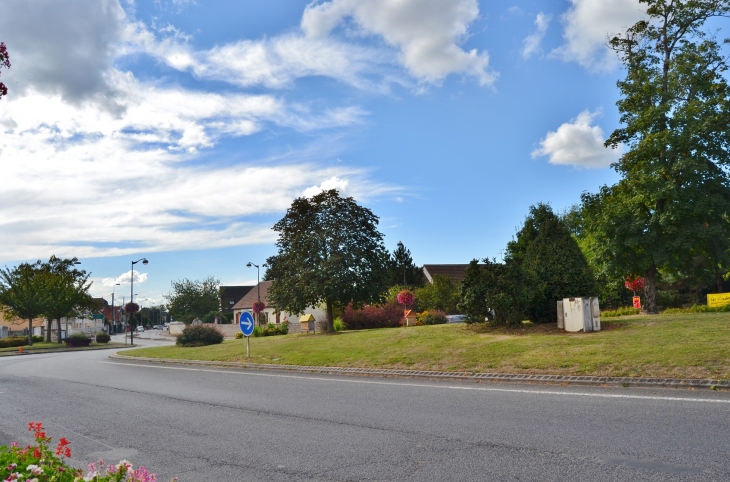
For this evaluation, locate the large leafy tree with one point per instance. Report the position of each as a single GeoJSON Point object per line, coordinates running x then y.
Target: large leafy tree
{"type": "Point", "coordinates": [191, 299]}
{"type": "Point", "coordinates": [329, 251]}
{"type": "Point", "coordinates": [68, 292]}
{"type": "Point", "coordinates": [546, 250]}
{"type": "Point", "coordinates": [25, 292]}
{"type": "Point", "coordinates": [401, 268]}
{"type": "Point", "coordinates": [671, 207]}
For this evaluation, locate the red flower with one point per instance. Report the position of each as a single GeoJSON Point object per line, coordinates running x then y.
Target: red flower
{"type": "Point", "coordinates": [634, 284]}
{"type": "Point", "coordinates": [258, 306]}
{"type": "Point", "coordinates": [406, 297]}
{"type": "Point", "coordinates": [62, 448]}
{"type": "Point", "coordinates": [131, 308]}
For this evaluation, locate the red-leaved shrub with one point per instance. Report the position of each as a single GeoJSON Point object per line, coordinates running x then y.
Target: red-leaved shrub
{"type": "Point", "coordinates": [386, 316]}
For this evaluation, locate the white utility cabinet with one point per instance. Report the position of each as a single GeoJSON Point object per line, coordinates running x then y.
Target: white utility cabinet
{"type": "Point", "coordinates": [581, 314]}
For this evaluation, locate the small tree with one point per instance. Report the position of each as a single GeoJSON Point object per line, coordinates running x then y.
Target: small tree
{"type": "Point", "coordinates": [191, 299]}
{"type": "Point", "coordinates": [69, 292]}
{"type": "Point", "coordinates": [329, 251]}
{"type": "Point", "coordinates": [546, 250]}
{"type": "Point", "coordinates": [401, 268]}
{"type": "Point", "coordinates": [442, 295]}
{"type": "Point", "coordinates": [25, 292]}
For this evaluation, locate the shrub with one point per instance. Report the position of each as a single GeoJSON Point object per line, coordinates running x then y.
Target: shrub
{"type": "Point", "coordinates": [258, 331]}
{"type": "Point", "coordinates": [103, 338]}
{"type": "Point", "coordinates": [38, 339]}
{"type": "Point", "coordinates": [433, 317]}
{"type": "Point", "coordinates": [199, 335]}
{"type": "Point", "coordinates": [284, 328]}
{"type": "Point", "coordinates": [339, 325]}
{"type": "Point", "coordinates": [624, 311]}
{"type": "Point", "coordinates": [273, 330]}
{"type": "Point", "coordinates": [14, 341]}
{"type": "Point", "coordinates": [239, 335]}
{"type": "Point", "coordinates": [698, 309]}
{"type": "Point", "coordinates": [386, 316]}
{"type": "Point", "coordinates": [78, 336]}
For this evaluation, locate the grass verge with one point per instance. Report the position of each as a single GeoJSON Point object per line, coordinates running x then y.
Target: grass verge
{"type": "Point", "coordinates": [43, 347]}
{"type": "Point", "coordinates": [679, 346]}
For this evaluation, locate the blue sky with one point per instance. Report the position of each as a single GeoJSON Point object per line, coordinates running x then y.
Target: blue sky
{"type": "Point", "coordinates": [180, 130]}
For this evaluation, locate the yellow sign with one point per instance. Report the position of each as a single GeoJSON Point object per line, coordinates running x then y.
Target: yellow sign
{"type": "Point", "coordinates": [718, 299]}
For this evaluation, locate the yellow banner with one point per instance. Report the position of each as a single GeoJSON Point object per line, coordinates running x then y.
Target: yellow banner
{"type": "Point", "coordinates": [718, 299]}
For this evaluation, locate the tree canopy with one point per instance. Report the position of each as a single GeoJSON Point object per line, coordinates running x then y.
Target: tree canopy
{"type": "Point", "coordinates": [669, 212]}
{"type": "Point", "coordinates": [68, 292]}
{"type": "Point", "coordinates": [25, 292]}
{"type": "Point", "coordinates": [329, 251]}
{"type": "Point", "coordinates": [191, 299]}
{"type": "Point", "coordinates": [401, 266]}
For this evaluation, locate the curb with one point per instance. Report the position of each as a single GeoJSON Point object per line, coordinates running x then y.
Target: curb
{"type": "Point", "coordinates": [466, 376]}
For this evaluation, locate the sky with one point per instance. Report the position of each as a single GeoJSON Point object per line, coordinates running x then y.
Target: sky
{"type": "Point", "coordinates": [181, 130]}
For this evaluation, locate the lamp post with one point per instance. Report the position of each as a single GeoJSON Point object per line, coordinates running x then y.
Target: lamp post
{"type": "Point", "coordinates": [400, 245]}
{"type": "Point", "coordinates": [114, 313]}
{"type": "Point", "coordinates": [59, 321]}
{"type": "Point", "coordinates": [258, 290]}
{"type": "Point", "coordinates": [131, 291]}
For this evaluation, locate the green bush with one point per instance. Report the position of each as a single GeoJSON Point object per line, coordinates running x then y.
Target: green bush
{"type": "Point", "coordinates": [103, 338]}
{"type": "Point", "coordinates": [38, 339]}
{"type": "Point", "coordinates": [239, 335]}
{"type": "Point", "coordinates": [623, 311]}
{"type": "Point", "coordinates": [273, 330]}
{"type": "Point", "coordinates": [433, 317]}
{"type": "Point", "coordinates": [257, 331]}
{"type": "Point", "coordinates": [339, 325]}
{"type": "Point", "coordinates": [698, 309]}
{"type": "Point", "coordinates": [199, 335]}
{"type": "Point", "coordinates": [14, 341]}
{"type": "Point", "coordinates": [78, 336]}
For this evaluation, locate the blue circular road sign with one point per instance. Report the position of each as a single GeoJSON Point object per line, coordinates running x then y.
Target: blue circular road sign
{"type": "Point", "coordinates": [246, 323]}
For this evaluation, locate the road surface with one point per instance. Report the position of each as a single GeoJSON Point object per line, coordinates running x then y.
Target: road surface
{"type": "Point", "coordinates": [201, 423]}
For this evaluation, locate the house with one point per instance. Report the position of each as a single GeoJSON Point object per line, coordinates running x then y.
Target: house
{"type": "Point", "coordinates": [269, 314]}
{"type": "Point", "coordinates": [18, 327]}
{"type": "Point", "coordinates": [231, 294]}
{"type": "Point", "coordinates": [457, 272]}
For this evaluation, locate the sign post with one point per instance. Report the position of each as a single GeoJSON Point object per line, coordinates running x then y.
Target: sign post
{"type": "Point", "coordinates": [637, 302]}
{"type": "Point", "coordinates": [246, 324]}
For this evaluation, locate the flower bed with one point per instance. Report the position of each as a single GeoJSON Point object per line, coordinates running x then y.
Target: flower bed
{"type": "Point", "coordinates": [40, 463]}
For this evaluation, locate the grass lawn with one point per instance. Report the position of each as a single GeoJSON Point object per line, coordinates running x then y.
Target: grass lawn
{"type": "Point", "coordinates": [43, 347]}
{"type": "Point", "coordinates": [681, 346]}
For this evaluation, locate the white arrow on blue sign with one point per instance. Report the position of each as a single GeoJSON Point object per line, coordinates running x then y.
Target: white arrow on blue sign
{"type": "Point", "coordinates": [246, 323]}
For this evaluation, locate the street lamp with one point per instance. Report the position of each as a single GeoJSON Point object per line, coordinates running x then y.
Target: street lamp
{"type": "Point", "coordinates": [131, 291]}
{"type": "Point", "coordinates": [114, 313]}
{"type": "Point", "coordinates": [400, 245]}
{"type": "Point", "coordinates": [258, 290]}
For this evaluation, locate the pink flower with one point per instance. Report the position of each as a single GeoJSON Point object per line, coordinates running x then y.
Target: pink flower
{"type": "Point", "coordinates": [406, 297]}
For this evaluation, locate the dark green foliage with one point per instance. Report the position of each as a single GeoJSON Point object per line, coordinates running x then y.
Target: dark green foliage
{"type": "Point", "coordinates": [552, 260]}
{"type": "Point", "coordinates": [191, 299]}
{"type": "Point", "coordinates": [69, 292]}
{"type": "Point", "coordinates": [329, 251]}
{"type": "Point", "coordinates": [211, 316]}
{"type": "Point", "coordinates": [78, 336]}
{"type": "Point", "coordinates": [199, 335]}
{"type": "Point", "coordinates": [25, 292]}
{"type": "Point", "coordinates": [442, 294]}
{"type": "Point", "coordinates": [37, 339]}
{"type": "Point", "coordinates": [103, 338]}
{"type": "Point", "coordinates": [14, 341]}
{"type": "Point", "coordinates": [388, 315]}
{"type": "Point", "coordinates": [669, 212]}
{"type": "Point", "coordinates": [496, 292]}
{"type": "Point", "coordinates": [401, 268]}
{"type": "Point", "coordinates": [433, 317]}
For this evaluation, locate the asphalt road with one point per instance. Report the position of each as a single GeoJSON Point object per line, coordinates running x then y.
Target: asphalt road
{"type": "Point", "coordinates": [233, 425]}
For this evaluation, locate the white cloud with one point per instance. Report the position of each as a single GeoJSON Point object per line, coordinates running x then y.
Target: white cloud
{"type": "Point", "coordinates": [588, 26]}
{"type": "Point", "coordinates": [427, 33]}
{"type": "Point", "coordinates": [332, 183]}
{"type": "Point", "coordinates": [577, 143]}
{"type": "Point", "coordinates": [532, 41]}
{"type": "Point", "coordinates": [125, 278]}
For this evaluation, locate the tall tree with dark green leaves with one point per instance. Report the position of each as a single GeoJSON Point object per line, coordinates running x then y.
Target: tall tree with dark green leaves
{"type": "Point", "coordinates": [546, 251]}
{"type": "Point", "coordinates": [69, 292]}
{"type": "Point", "coordinates": [671, 206]}
{"type": "Point", "coordinates": [402, 270]}
{"type": "Point", "coordinates": [191, 299]}
{"type": "Point", "coordinates": [329, 251]}
{"type": "Point", "coordinates": [25, 293]}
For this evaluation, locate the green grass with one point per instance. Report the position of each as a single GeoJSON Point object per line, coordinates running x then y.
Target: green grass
{"type": "Point", "coordinates": [681, 346]}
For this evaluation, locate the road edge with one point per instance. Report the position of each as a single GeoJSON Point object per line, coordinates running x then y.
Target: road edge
{"type": "Point", "coordinates": [465, 376]}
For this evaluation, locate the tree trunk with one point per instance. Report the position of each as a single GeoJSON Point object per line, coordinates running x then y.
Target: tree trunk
{"type": "Point", "coordinates": [49, 325]}
{"type": "Point", "coordinates": [330, 317]}
{"type": "Point", "coordinates": [650, 291]}
{"type": "Point", "coordinates": [58, 322]}
{"type": "Point", "coordinates": [30, 331]}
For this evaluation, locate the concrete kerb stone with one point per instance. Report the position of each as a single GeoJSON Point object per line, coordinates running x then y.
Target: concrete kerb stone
{"type": "Point", "coordinates": [466, 376]}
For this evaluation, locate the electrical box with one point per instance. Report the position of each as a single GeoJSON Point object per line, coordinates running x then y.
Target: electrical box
{"type": "Point", "coordinates": [581, 314]}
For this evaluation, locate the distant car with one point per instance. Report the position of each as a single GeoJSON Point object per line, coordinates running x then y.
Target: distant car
{"type": "Point", "coordinates": [455, 318]}
{"type": "Point", "coordinates": [140, 329]}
